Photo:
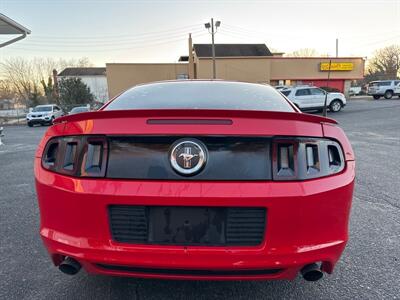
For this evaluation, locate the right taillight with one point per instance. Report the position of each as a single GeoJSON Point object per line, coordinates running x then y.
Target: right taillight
{"type": "Point", "coordinates": [305, 158]}
{"type": "Point", "coordinates": [80, 156]}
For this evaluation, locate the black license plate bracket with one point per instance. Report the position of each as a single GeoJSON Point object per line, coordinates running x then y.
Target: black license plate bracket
{"type": "Point", "coordinates": [187, 225]}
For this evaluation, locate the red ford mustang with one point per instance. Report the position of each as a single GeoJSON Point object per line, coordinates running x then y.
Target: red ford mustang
{"type": "Point", "coordinates": [196, 180]}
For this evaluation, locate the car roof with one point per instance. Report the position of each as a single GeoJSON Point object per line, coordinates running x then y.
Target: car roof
{"type": "Point", "coordinates": [300, 87]}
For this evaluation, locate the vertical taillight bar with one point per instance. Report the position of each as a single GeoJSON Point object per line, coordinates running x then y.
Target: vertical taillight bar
{"type": "Point", "coordinates": [94, 161]}
{"type": "Point", "coordinates": [312, 158]}
{"type": "Point", "coordinates": [50, 155]}
{"type": "Point", "coordinates": [283, 159]}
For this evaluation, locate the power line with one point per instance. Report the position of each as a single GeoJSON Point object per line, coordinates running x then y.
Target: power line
{"type": "Point", "coordinates": [379, 41]}
{"type": "Point", "coordinates": [105, 50]}
{"type": "Point", "coordinates": [102, 37]}
{"type": "Point", "coordinates": [77, 44]}
{"type": "Point", "coordinates": [245, 31]}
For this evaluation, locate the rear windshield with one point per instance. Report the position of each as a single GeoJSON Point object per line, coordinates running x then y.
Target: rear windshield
{"type": "Point", "coordinates": [201, 95]}
{"type": "Point", "coordinates": [286, 93]}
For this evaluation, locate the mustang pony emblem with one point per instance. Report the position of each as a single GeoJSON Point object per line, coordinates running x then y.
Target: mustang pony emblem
{"type": "Point", "coordinates": [187, 157]}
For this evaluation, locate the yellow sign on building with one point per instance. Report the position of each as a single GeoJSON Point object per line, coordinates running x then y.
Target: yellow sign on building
{"type": "Point", "coordinates": [337, 66]}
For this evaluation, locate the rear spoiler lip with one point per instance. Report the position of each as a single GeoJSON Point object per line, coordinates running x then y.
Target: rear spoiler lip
{"type": "Point", "coordinates": [194, 113]}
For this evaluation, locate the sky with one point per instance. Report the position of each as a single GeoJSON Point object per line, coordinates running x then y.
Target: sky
{"type": "Point", "coordinates": [156, 31]}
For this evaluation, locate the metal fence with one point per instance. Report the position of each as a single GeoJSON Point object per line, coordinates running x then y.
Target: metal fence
{"type": "Point", "coordinates": [13, 116]}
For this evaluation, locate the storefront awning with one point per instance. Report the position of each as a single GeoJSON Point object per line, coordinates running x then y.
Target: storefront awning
{"type": "Point", "coordinates": [9, 26]}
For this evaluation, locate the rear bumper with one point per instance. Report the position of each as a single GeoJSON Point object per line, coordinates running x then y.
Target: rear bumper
{"type": "Point", "coordinates": [307, 222]}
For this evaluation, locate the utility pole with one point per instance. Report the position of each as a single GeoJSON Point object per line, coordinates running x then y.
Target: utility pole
{"type": "Point", "coordinates": [324, 111]}
{"type": "Point", "coordinates": [337, 47]}
{"type": "Point", "coordinates": [213, 32]}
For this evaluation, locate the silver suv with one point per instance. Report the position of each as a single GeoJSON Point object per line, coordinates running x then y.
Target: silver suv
{"type": "Point", "coordinates": [385, 88]}
{"type": "Point", "coordinates": [43, 114]}
{"type": "Point", "coordinates": [313, 98]}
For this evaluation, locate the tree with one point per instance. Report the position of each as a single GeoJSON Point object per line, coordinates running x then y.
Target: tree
{"type": "Point", "coordinates": [48, 89]}
{"type": "Point", "coordinates": [19, 72]}
{"type": "Point", "coordinates": [385, 64]}
{"type": "Point", "coordinates": [27, 77]}
{"type": "Point", "coordinates": [73, 91]}
{"type": "Point", "coordinates": [6, 90]}
{"type": "Point", "coordinates": [304, 52]}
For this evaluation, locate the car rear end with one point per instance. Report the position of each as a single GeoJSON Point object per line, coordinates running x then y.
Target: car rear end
{"type": "Point", "coordinates": [272, 197]}
{"type": "Point", "coordinates": [374, 89]}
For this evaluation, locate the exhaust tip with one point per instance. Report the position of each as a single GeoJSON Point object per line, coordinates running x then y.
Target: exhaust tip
{"type": "Point", "coordinates": [69, 266]}
{"type": "Point", "coordinates": [311, 272]}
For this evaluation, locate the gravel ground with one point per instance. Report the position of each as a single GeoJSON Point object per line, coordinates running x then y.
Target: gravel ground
{"type": "Point", "coordinates": [369, 268]}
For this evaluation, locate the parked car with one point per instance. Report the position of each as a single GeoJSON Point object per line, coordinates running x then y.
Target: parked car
{"type": "Point", "coordinates": [313, 98]}
{"type": "Point", "coordinates": [185, 179]}
{"type": "Point", "coordinates": [397, 89]}
{"type": "Point", "coordinates": [43, 114]}
{"type": "Point", "coordinates": [280, 87]}
{"type": "Point", "coordinates": [385, 88]}
{"type": "Point", "coordinates": [355, 90]}
{"type": "Point", "coordinates": [329, 89]}
{"type": "Point", "coordinates": [79, 109]}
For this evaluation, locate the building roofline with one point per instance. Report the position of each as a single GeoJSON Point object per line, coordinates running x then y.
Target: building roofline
{"type": "Point", "coordinates": [175, 63]}
{"type": "Point", "coordinates": [314, 78]}
{"type": "Point", "coordinates": [318, 57]}
{"type": "Point", "coordinates": [14, 24]}
{"type": "Point", "coordinates": [82, 71]}
{"type": "Point", "coordinates": [283, 57]}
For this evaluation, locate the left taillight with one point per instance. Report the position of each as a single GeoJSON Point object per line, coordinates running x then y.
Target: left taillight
{"type": "Point", "coordinates": [79, 156]}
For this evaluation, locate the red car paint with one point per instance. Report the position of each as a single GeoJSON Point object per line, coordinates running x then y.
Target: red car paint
{"type": "Point", "coordinates": [307, 220]}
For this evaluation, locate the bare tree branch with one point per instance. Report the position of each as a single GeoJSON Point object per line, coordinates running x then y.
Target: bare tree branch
{"type": "Point", "coordinates": [31, 79]}
{"type": "Point", "coordinates": [305, 52]}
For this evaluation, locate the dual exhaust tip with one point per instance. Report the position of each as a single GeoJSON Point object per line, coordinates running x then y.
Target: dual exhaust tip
{"type": "Point", "coordinates": [311, 272]}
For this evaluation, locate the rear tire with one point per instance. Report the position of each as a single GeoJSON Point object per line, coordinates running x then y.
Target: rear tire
{"type": "Point", "coordinates": [335, 106]}
{"type": "Point", "coordinates": [376, 97]}
{"type": "Point", "coordinates": [388, 95]}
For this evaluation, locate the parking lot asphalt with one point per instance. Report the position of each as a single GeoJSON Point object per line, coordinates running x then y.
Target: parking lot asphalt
{"type": "Point", "coordinates": [368, 269]}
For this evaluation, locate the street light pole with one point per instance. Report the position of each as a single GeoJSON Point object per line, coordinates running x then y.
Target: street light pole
{"type": "Point", "coordinates": [213, 31]}
{"type": "Point", "coordinates": [337, 47]}
{"type": "Point", "coordinates": [324, 111]}
{"type": "Point", "coordinates": [213, 49]}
